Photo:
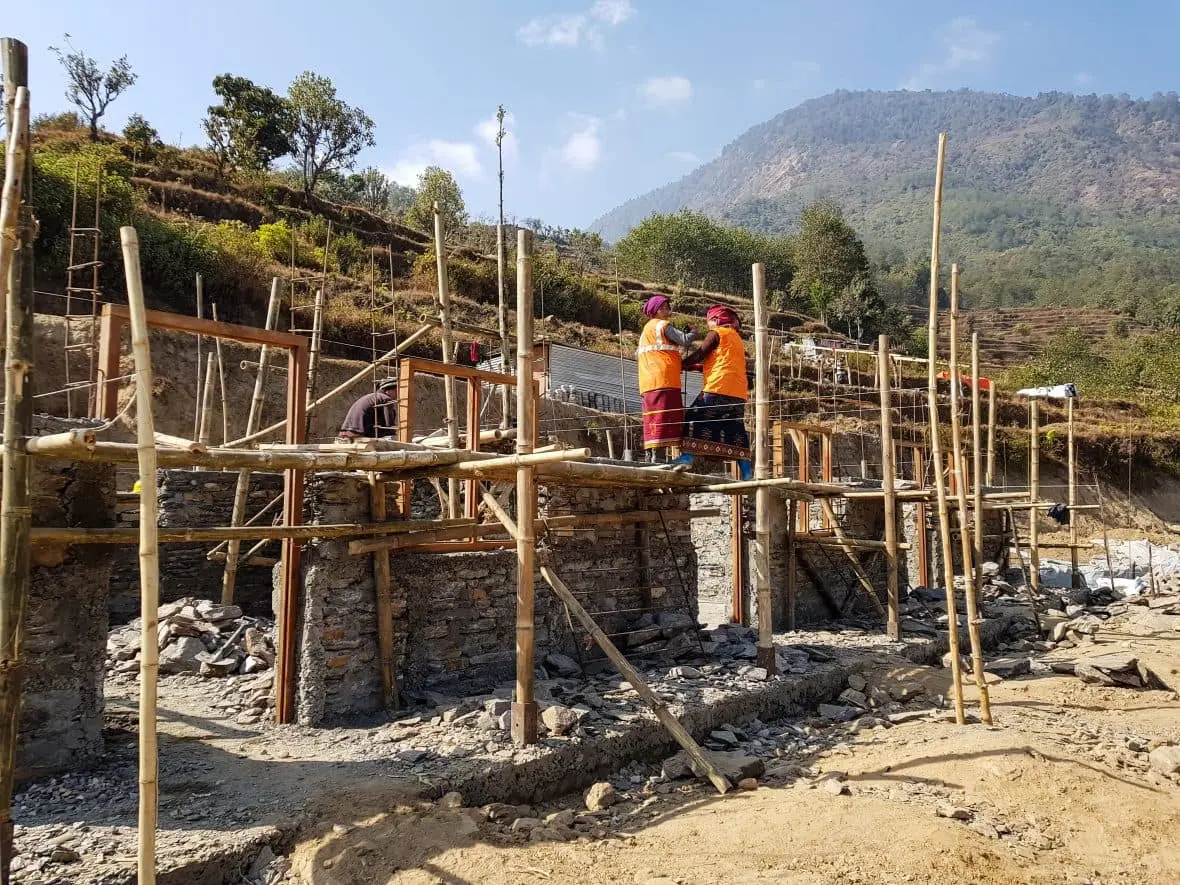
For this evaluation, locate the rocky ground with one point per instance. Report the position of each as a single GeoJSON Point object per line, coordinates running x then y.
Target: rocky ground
{"type": "Point", "coordinates": [235, 788]}
{"type": "Point", "coordinates": [1078, 781]}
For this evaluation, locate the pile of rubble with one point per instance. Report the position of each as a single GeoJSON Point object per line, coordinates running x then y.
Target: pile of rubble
{"type": "Point", "coordinates": [200, 637]}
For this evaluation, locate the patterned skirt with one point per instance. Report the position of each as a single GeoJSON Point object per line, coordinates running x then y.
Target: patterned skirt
{"type": "Point", "coordinates": [663, 418]}
{"type": "Point", "coordinates": [715, 427]}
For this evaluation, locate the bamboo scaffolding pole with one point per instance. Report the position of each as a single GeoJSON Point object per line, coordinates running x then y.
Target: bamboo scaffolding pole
{"type": "Point", "coordinates": [889, 487]}
{"type": "Point", "coordinates": [1032, 599]}
{"type": "Point", "coordinates": [167, 441]}
{"type": "Point", "coordinates": [1034, 489]}
{"type": "Point", "coordinates": [364, 373]}
{"type": "Point", "coordinates": [841, 541]}
{"type": "Point", "coordinates": [944, 523]}
{"type": "Point", "coordinates": [317, 335]}
{"type": "Point", "coordinates": [666, 717]}
{"type": "Point", "coordinates": [854, 543]}
{"type": "Point", "coordinates": [990, 479]}
{"type": "Point", "coordinates": [765, 614]}
{"type": "Point", "coordinates": [977, 505]}
{"type": "Point", "coordinates": [221, 383]}
{"type": "Point", "coordinates": [229, 575]}
{"type": "Point", "coordinates": [383, 582]}
{"type": "Point", "coordinates": [253, 520]}
{"type": "Point", "coordinates": [1105, 533]}
{"type": "Point", "coordinates": [502, 317]}
{"type": "Point", "coordinates": [1075, 577]}
{"type": "Point", "coordinates": [16, 301]}
{"type": "Point", "coordinates": [67, 441]}
{"type": "Point", "coordinates": [149, 562]}
{"type": "Point", "coordinates": [448, 354]}
{"type": "Point", "coordinates": [524, 706]}
{"type": "Point", "coordinates": [197, 392]}
{"type": "Point", "coordinates": [206, 400]}
{"type": "Point", "coordinates": [198, 534]}
{"type": "Point", "coordinates": [501, 514]}
{"type": "Point", "coordinates": [792, 564]}
{"type": "Point", "coordinates": [966, 546]}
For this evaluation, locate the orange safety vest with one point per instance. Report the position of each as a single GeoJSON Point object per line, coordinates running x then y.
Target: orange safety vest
{"type": "Point", "coordinates": [658, 358]}
{"type": "Point", "coordinates": [725, 367]}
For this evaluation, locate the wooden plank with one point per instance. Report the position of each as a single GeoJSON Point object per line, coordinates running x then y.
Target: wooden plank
{"type": "Point", "coordinates": [292, 551]}
{"type": "Point", "coordinates": [434, 367]}
{"type": "Point", "coordinates": [175, 322]}
{"type": "Point", "coordinates": [889, 486]}
{"type": "Point", "coordinates": [667, 719]}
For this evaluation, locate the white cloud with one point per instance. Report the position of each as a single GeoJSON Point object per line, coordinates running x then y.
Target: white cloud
{"type": "Point", "coordinates": [759, 84]}
{"type": "Point", "coordinates": [578, 28]}
{"type": "Point", "coordinates": [688, 158]}
{"type": "Point", "coordinates": [666, 91]}
{"type": "Point", "coordinates": [1081, 78]}
{"type": "Point", "coordinates": [459, 157]}
{"type": "Point", "coordinates": [583, 148]}
{"type": "Point", "coordinates": [486, 131]}
{"type": "Point", "coordinates": [965, 45]}
{"type": "Point", "coordinates": [613, 12]}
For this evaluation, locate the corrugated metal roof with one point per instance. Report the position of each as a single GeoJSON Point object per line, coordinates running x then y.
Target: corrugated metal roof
{"type": "Point", "coordinates": [598, 380]}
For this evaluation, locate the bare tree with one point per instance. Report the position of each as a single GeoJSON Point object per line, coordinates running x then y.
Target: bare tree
{"type": "Point", "coordinates": [89, 89]}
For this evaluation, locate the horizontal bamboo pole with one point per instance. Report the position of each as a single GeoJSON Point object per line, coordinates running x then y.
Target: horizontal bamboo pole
{"type": "Point", "coordinates": [376, 545]}
{"type": "Point", "coordinates": [245, 532]}
{"type": "Point", "coordinates": [66, 442]}
{"type": "Point", "coordinates": [856, 543]}
{"type": "Point", "coordinates": [168, 441]}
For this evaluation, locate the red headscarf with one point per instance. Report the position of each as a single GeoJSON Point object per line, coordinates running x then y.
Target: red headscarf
{"type": "Point", "coordinates": [653, 305]}
{"type": "Point", "coordinates": [723, 316]}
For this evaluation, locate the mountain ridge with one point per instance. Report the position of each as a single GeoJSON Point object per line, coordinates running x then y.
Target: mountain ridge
{"type": "Point", "coordinates": [1080, 178]}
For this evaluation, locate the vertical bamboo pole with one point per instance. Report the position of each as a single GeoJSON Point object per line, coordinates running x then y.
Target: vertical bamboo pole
{"type": "Point", "coordinates": [502, 312]}
{"type": "Point", "coordinates": [149, 563]}
{"type": "Point", "coordinates": [966, 546]}
{"type": "Point", "coordinates": [792, 565]}
{"type": "Point", "coordinates": [977, 463]}
{"type": "Point", "coordinates": [524, 707]}
{"type": "Point", "coordinates": [317, 337]}
{"type": "Point", "coordinates": [206, 400]}
{"type": "Point", "coordinates": [448, 354]}
{"type": "Point", "coordinates": [242, 489]}
{"type": "Point", "coordinates": [944, 523]}
{"type": "Point", "coordinates": [16, 297]}
{"type": "Point", "coordinates": [990, 479]}
{"type": "Point", "coordinates": [221, 384]}
{"type": "Point", "coordinates": [1034, 489]}
{"type": "Point", "coordinates": [889, 485]}
{"type": "Point", "coordinates": [1075, 578]}
{"type": "Point", "coordinates": [766, 656]}
{"type": "Point", "coordinates": [197, 390]}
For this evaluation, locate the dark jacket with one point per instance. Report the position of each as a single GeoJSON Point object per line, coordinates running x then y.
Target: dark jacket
{"type": "Point", "coordinates": [371, 416]}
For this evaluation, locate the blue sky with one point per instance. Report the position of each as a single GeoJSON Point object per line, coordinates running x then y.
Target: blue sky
{"type": "Point", "coordinates": [608, 98]}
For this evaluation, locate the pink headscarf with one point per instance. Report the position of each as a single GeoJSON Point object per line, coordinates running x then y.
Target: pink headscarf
{"type": "Point", "coordinates": [723, 316]}
{"type": "Point", "coordinates": [653, 305]}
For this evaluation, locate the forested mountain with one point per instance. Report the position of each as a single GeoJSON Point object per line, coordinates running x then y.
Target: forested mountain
{"type": "Point", "coordinates": [1057, 199]}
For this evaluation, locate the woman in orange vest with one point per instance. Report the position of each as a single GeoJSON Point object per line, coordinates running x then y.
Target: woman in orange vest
{"type": "Point", "coordinates": [716, 419]}
{"type": "Point", "coordinates": [658, 357]}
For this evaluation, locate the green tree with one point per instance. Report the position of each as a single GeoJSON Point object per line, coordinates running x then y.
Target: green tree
{"type": "Point", "coordinates": [372, 189]}
{"type": "Point", "coordinates": [401, 198]}
{"type": "Point", "coordinates": [587, 248]}
{"type": "Point", "coordinates": [829, 257]}
{"type": "Point", "coordinates": [88, 88]}
{"type": "Point", "coordinates": [437, 185]}
{"type": "Point", "coordinates": [141, 135]}
{"type": "Point", "coordinates": [328, 133]}
{"type": "Point", "coordinates": [251, 127]}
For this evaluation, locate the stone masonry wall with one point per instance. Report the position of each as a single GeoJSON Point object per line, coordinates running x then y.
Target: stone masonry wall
{"type": "Point", "coordinates": [66, 619]}
{"type": "Point", "coordinates": [455, 613]}
{"type": "Point", "coordinates": [195, 498]}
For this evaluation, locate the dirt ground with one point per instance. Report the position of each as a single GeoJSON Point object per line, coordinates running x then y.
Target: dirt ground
{"type": "Point", "coordinates": [1057, 791]}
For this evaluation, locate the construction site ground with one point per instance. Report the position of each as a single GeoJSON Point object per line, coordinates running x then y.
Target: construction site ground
{"type": "Point", "coordinates": [1064, 787]}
